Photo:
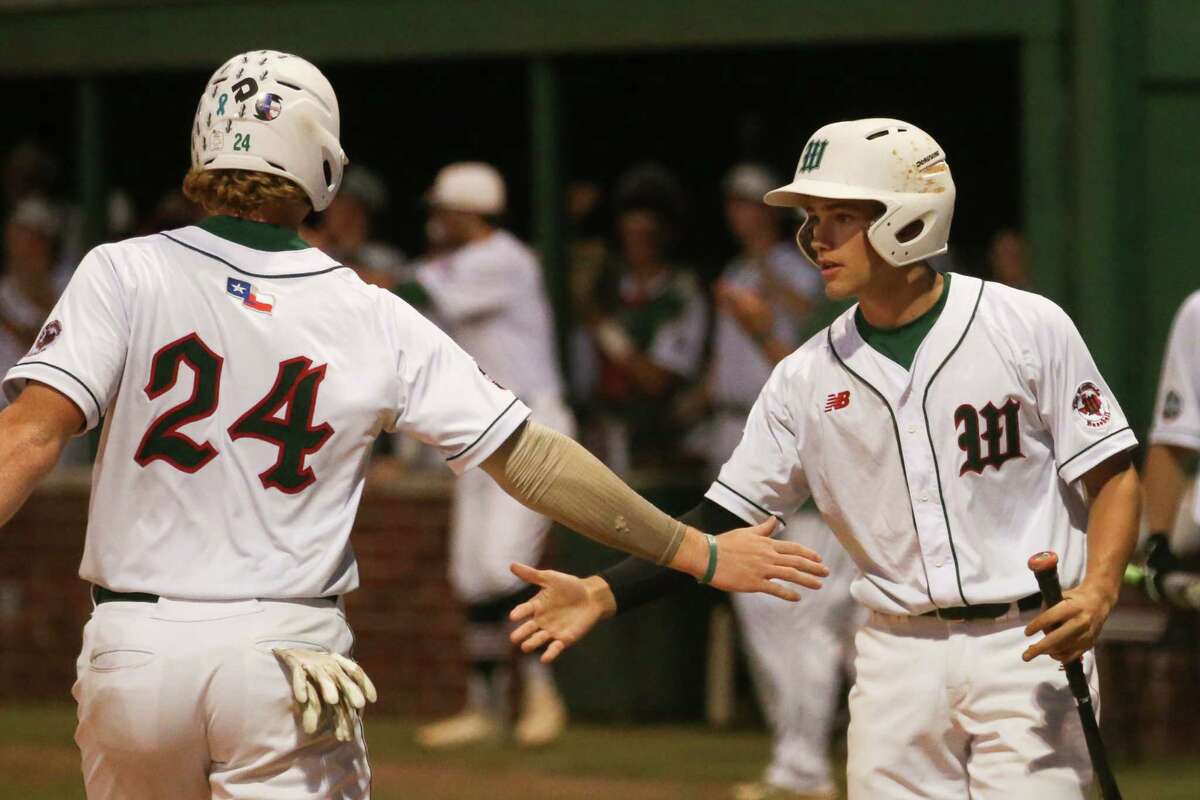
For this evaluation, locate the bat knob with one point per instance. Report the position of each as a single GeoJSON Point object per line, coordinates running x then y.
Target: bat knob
{"type": "Point", "coordinates": [1043, 561]}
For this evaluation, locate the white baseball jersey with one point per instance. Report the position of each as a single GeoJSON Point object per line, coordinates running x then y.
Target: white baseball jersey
{"type": "Point", "coordinates": [1177, 410]}
{"type": "Point", "coordinates": [942, 481]}
{"type": "Point", "coordinates": [491, 295]}
{"type": "Point", "coordinates": [241, 390]}
{"type": "Point", "coordinates": [740, 368]}
{"type": "Point", "coordinates": [1177, 407]}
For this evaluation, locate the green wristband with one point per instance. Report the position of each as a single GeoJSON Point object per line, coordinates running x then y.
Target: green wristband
{"type": "Point", "coordinates": [712, 561]}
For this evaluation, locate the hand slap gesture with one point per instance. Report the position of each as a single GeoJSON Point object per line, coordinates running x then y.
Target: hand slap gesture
{"type": "Point", "coordinates": [749, 560]}
{"type": "Point", "coordinates": [560, 614]}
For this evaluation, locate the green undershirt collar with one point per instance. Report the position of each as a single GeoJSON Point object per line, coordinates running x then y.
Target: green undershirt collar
{"type": "Point", "coordinates": [900, 344]}
{"type": "Point", "coordinates": [255, 235]}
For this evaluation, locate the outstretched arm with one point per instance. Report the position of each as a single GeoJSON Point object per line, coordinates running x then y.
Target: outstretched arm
{"type": "Point", "coordinates": [33, 432]}
{"type": "Point", "coordinates": [634, 582]}
{"type": "Point", "coordinates": [567, 607]}
{"type": "Point", "coordinates": [555, 476]}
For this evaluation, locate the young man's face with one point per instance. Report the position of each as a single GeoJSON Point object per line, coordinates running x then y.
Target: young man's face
{"type": "Point", "coordinates": [837, 235]}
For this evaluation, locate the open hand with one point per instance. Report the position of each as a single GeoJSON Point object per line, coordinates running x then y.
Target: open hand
{"type": "Point", "coordinates": [562, 613]}
{"type": "Point", "coordinates": [1072, 626]}
{"type": "Point", "coordinates": [751, 311]}
{"type": "Point", "coordinates": [749, 560]}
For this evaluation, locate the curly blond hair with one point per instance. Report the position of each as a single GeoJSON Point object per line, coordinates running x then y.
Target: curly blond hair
{"type": "Point", "coordinates": [238, 191]}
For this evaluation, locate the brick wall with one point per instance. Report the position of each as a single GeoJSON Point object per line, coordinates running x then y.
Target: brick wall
{"type": "Point", "coordinates": [407, 623]}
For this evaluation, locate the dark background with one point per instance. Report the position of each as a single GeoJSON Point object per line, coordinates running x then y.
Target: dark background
{"type": "Point", "coordinates": [695, 112]}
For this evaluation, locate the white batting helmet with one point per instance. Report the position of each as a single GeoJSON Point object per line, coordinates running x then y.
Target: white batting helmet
{"type": "Point", "coordinates": [886, 160]}
{"type": "Point", "coordinates": [272, 112]}
{"type": "Point", "coordinates": [470, 186]}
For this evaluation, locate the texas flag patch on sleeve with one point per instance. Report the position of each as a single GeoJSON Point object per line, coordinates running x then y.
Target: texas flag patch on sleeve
{"type": "Point", "coordinates": [249, 295]}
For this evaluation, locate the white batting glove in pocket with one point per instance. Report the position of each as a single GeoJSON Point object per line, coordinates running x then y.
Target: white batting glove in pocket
{"type": "Point", "coordinates": [336, 681]}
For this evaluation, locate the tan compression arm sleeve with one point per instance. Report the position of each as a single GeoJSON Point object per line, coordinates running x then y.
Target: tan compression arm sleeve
{"type": "Point", "coordinates": [556, 476]}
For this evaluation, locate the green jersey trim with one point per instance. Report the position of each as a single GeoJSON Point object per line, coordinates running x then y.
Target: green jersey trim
{"type": "Point", "coordinates": [900, 344]}
{"type": "Point", "coordinates": [255, 235]}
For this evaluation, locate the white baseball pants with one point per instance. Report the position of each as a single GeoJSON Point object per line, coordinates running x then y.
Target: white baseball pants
{"type": "Point", "coordinates": [184, 700]}
{"type": "Point", "coordinates": [949, 711]}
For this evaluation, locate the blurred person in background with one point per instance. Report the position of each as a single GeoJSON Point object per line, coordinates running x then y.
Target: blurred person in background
{"type": "Point", "coordinates": [648, 329]}
{"type": "Point", "coordinates": [173, 210]}
{"type": "Point", "coordinates": [764, 298]}
{"type": "Point", "coordinates": [32, 237]}
{"type": "Point", "coordinates": [1006, 259]}
{"type": "Point", "coordinates": [346, 229]}
{"type": "Point", "coordinates": [486, 288]}
{"type": "Point", "coordinates": [767, 297]}
{"type": "Point", "coordinates": [588, 248]}
{"type": "Point", "coordinates": [29, 171]}
{"type": "Point", "coordinates": [29, 288]}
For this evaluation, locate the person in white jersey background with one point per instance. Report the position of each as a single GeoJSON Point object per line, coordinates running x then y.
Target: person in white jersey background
{"type": "Point", "coordinates": [242, 378]}
{"type": "Point", "coordinates": [486, 288]}
{"type": "Point", "coordinates": [766, 297]}
{"type": "Point", "coordinates": [947, 429]}
{"type": "Point", "coordinates": [1172, 510]}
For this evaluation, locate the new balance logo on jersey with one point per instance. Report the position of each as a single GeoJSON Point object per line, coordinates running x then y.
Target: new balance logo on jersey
{"type": "Point", "coordinates": [813, 153]}
{"type": "Point", "coordinates": [836, 401]}
{"type": "Point", "coordinates": [250, 296]}
{"type": "Point", "coordinates": [998, 442]}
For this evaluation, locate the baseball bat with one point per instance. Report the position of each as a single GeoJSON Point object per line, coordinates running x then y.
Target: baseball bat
{"type": "Point", "coordinates": [1044, 566]}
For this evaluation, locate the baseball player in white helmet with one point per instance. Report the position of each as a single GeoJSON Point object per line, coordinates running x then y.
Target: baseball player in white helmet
{"type": "Point", "coordinates": [242, 377]}
{"type": "Point", "coordinates": [947, 429]}
{"type": "Point", "coordinates": [486, 287]}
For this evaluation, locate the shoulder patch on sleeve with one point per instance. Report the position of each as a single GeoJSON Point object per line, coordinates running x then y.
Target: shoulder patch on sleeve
{"type": "Point", "coordinates": [1172, 405]}
{"type": "Point", "coordinates": [46, 338]}
{"type": "Point", "coordinates": [1092, 408]}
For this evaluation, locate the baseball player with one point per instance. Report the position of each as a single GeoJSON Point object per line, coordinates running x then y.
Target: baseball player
{"type": "Point", "coordinates": [765, 296]}
{"type": "Point", "coordinates": [242, 378]}
{"type": "Point", "coordinates": [947, 429]}
{"type": "Point", "coordinates": [486, 287]}
{"type": "Point", "coordinates": [1172, 503]}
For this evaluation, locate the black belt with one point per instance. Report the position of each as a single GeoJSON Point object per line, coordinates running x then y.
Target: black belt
{"type": "Point", "coordinates": [102, 595]}
{"type": "Point", "coordinates": [985, 610]}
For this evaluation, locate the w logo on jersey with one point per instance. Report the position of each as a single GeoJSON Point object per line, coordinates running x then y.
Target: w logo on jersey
{"type": "Point", "coordinates": [998, 441]}
{"type": "Point", "coordinates": [810, 159]}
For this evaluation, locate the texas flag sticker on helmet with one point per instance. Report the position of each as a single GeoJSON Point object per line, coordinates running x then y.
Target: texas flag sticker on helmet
{"type": "Point", "coordinates": [249, 295]}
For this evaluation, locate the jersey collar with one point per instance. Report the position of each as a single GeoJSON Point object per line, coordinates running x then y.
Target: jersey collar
{"type": "Point", "coordinates": [248, 261]}
{"type": "Point", "coordinates": [940, 343]}
{"type": "Point", "coordinates": [255, 235]}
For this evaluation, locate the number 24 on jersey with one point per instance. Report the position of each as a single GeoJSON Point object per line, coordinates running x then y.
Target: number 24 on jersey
{"type": "Point", "coordinates": [295, 436]}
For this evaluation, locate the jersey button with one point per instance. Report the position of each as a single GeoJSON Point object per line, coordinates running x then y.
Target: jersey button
{"type": "Point", "coordinates": [940, 562]}
{"type": "Point", "coordinates": [912, 428]}
{"type": "Point", "coordinates": [925, 499]}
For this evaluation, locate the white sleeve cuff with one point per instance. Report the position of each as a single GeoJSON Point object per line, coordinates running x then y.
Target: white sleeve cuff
{"type": "Point", "coordinates": [495, 435]}
{"type": "Point", "coordinates": [1176, 437]}
{"type": "Point", "coordinates": [739, 505]}
{"type": "Point", "coordinates": [1095, 453]}
{"type": "Point", "coordinates": [59, 379]}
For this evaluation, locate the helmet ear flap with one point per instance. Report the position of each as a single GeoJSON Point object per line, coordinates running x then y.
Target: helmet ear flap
{"type": "Point", "coordinates": [804, 237]}
{"type": "Point", "coordinates": [899, 237]}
